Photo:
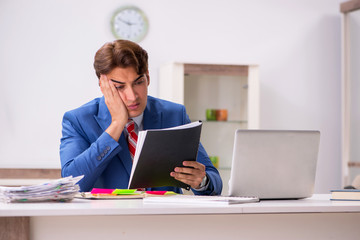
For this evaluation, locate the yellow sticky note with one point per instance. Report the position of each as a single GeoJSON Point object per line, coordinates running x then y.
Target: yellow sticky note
{"type": "Point", "coordinates": [170, 193]}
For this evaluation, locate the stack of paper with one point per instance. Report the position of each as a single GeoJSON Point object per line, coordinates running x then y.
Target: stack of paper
{"type": "Point", "coordinates": [63, 189]}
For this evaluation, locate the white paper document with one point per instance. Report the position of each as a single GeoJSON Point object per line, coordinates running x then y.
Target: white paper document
{"type": "Point", "coordinates": [196, 199]}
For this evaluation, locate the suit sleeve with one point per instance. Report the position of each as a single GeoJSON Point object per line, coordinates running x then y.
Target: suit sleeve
{"type": "Point", "coordinates": [215, 182]}
{"type": "Point", "coordinates": [80, 157]}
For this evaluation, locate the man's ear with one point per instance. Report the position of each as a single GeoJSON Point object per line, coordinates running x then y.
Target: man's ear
{"type": "Point", "coordinates": [101, 76]}
{"type": "Point", "coordinates": [99, 79]}
{"type": "Point", "coordinates": [148, 77]}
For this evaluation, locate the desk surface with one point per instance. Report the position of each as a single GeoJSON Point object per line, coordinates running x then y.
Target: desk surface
{"type": "Point", "coordinates": [319, 203]}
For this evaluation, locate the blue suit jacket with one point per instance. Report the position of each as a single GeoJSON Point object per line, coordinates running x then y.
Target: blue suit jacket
{"type": "Point", "coordinates": [86, 149]}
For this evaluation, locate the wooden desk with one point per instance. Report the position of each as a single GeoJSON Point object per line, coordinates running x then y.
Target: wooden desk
{"type": "Point", "coordinates": [313, 218]}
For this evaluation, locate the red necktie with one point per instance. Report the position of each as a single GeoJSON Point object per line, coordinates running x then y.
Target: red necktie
{"type": "Point", "coordinates": [132, 138]}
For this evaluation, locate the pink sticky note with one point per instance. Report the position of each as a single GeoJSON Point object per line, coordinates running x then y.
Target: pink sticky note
{"type": "Point", "coordinates": [101, 191]}
{"type": "Point", "coordinates": [156, 192]}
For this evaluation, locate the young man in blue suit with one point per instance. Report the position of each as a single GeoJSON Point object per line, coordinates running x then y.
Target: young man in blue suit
{"type": "Point", "coordinates": [94, 136]}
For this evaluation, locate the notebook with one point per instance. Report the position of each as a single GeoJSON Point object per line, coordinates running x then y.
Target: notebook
{"type": "Point", "coordinates": [274, 164]}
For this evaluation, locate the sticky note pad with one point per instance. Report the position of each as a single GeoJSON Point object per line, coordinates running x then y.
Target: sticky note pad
{"type": "Point", "coordinates": [156, 192]}
{"type": "Point", "coordinates": [170, 193]}
{"type": "Point", "coordinates": [124, 191]}
{"type": "Point", "coordinates": [101, 191]}
{"type": "Point", "coordinates": [161, 192]}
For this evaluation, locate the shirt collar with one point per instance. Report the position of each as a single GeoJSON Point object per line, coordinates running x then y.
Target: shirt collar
{"type": "Point", "coordinates": [139, 121]}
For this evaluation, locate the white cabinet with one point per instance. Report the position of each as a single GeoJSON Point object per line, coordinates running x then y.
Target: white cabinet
{"type": "Point", "coordinates": [213, 86]}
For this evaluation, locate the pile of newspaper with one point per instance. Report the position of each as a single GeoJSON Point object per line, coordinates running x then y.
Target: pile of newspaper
{"type": "Point", "coordinates": [61, 190]}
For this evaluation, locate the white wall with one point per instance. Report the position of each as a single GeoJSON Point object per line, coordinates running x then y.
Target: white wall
{"type": "Point", "coordinates": [47, 49]}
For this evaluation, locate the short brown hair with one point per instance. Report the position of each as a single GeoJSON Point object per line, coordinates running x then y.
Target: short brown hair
{"type": "Point", "coordinates": [120, 53]}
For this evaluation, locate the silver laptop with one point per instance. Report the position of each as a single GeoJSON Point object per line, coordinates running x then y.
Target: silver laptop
{"type": "Point", "coordinates": [274, 164]}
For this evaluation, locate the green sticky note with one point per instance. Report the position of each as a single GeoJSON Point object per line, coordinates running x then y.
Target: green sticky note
{"type": "Point", "coordinates": [124, 191]}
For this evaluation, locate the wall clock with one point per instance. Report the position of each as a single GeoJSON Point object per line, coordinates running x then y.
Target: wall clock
{"type": "Point", "coordinates": [129, 23]}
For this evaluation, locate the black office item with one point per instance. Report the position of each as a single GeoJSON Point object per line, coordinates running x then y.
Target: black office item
{"type": "Point", "coordinates": [159, 151]}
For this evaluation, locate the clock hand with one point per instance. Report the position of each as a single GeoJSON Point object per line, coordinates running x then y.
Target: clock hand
{"type": "Point", "coordinates": [130, 23]}
{"type": "Point", "coordinates": [126, 22]}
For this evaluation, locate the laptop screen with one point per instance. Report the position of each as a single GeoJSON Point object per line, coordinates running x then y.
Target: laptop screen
{"type": "Point", "coordinates": [274, 164]}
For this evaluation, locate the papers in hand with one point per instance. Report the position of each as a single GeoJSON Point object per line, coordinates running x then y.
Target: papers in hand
{"type": "Point", "coordinates": [196, 199]}
{"type": "Point", "coordinates": [159, 151]}
{"type": "Point", "coordinates": [63, 189]}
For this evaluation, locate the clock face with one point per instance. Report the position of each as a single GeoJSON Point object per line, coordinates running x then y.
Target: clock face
{"type": "Point", "coordinates": [129, 23]}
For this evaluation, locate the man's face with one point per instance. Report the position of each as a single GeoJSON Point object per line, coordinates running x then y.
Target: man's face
{"type": "Point", "coordinates": [133, 88]}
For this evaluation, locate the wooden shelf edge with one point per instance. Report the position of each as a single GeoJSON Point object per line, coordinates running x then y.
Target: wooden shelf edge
{"type": "Point", "coordinates": [349, 6]}
{"type": "Point", "coordinates": [214, 69]}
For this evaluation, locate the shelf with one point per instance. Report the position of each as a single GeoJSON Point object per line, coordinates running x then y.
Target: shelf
{"type": "Point", "coordinates": [200, 87]}
{"type": "Point", "coordinates": [224, 168]}
{"type": "Point", "coordinates": [223, 122]}
{"type": "Point", "coordinates": [354, 164]}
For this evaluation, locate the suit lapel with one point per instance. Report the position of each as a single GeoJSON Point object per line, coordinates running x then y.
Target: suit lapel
{"type": "Point", "coordinates": [152, 118]}
{"type": "Point", "coordinates": [103, 118]}
{"type": "Point", "coordinates": [124, 154]}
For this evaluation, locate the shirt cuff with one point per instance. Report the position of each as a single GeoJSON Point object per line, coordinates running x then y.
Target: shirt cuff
{"type": "Point", "coordinates": [204, 184]}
